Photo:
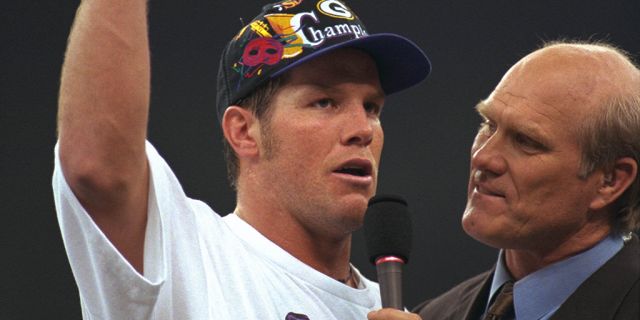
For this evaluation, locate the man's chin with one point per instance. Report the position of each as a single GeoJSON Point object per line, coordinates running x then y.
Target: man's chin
{"type": "Point", "coordinates": [357, 200]}
{"type": "Point", "coordinates": [353, 212]}
{"type": "Point", "coordinates": [478, 228]}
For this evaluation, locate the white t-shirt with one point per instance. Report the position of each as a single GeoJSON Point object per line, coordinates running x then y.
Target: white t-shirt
{"type": "Point", "coordinates": [197, 265]}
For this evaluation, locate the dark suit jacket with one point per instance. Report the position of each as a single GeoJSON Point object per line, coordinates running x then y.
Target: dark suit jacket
{"type": "Point", "coordinates": [612, 292]}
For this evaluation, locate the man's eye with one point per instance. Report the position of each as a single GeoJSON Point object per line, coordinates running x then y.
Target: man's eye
{"type": "Point", "coordinates": [487, 127]}
{"type": "Point", "coordinates": [528, 143]}
{"type": "Point", "coordinates": [372, 108]}
{"type": "Point", "coordinates": [323, 103]}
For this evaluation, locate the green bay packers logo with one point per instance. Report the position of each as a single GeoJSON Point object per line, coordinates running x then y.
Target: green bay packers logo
{"type": "Point", "coordinates": [335, 8]}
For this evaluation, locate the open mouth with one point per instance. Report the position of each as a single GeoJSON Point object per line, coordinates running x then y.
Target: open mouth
{"type": "Point", "coordinates": [358, 168]}
{"type": "Point", "coordinates": [488, 191]}
{"type": "Point", "coordinates": [354, 171]}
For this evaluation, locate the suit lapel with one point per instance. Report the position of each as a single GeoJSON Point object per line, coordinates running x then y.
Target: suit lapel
{"type": "Point", "coordinates": [601, 294]}
{"type": "Point", "coordinates": [474, 302]}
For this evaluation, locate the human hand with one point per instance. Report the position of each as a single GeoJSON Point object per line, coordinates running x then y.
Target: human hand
{"type": "Point", "coordinates": [392, 314]}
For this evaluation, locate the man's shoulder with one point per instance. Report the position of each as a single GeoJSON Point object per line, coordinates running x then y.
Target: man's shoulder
{"type": "Point", "coordinates": [455, 303]}
{"type": "Point", "coordinates": [612, 292]}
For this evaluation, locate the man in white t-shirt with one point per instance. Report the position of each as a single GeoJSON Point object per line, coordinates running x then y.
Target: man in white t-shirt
{"type": "Point", "coordinates": [300, 90]}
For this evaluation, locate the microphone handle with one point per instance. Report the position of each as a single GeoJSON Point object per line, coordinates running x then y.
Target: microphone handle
{"type": "Point", "coordinates": [390, 280]}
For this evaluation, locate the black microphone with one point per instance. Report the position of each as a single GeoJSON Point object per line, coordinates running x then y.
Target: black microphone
{"type": "Point", "coordinates": [387, 230]}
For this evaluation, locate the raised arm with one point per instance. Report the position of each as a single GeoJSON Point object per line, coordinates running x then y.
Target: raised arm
{"type": "Point", "coordinates": [102, 118]}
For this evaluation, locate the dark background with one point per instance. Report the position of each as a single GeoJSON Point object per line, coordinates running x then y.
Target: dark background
{"type": "Point", "coordinates": [428, 128]}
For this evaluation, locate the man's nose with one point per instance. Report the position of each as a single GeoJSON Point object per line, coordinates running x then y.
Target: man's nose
{"type": "Point", "coordinates": [358, 127]}
{"type": "Point", "coordinates": [488, 154]}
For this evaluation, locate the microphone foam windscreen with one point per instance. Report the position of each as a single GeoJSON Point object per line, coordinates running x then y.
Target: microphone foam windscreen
{"type": "Point", "coordinates": [387, 227]}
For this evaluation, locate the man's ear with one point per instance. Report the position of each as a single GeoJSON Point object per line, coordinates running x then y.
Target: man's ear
{"type": "Point", "coordinates": [239, 128]}
{"type": "Point", "coordinates": [615, 182]}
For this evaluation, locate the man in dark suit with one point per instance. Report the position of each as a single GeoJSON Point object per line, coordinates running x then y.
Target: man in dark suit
{"type": "Point", "coordinates": [554, 184]}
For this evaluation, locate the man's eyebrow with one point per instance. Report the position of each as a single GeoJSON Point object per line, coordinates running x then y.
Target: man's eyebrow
{"type": "Point", "coordinates": [377, 95]}
{"type": "Point", "coordinates": [380, 95]}
{"type": "Point", "coordinates": [526, 128]}
{"type": "Point", "coordinates": [481, 107]}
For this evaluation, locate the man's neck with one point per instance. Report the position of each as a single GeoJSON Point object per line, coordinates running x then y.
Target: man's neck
{"type": "Point", "coordinates": [521, 263]}
{"type": "Point", "coordinates": [326, 254]}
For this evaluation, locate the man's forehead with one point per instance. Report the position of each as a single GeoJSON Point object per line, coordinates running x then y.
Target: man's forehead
{"type": "Point", "coordinates": [578, 71]}
{"type": "Point", "coordinates": [345, 65]}
{"type": "Point", "coordinates": [549, 87]}
{"type": "Point", "coordinates": [346, 61]}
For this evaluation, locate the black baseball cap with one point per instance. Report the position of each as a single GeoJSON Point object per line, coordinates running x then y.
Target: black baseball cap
{"type": "Point", "coordinates": [288, 33]}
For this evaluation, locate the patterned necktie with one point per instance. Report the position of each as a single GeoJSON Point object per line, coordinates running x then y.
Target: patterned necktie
{"type": "Point", "coordinates": [502, 307]}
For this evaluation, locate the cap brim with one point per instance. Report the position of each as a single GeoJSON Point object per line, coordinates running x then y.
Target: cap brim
{"type": "Point", "coordinates": [401, 63]}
